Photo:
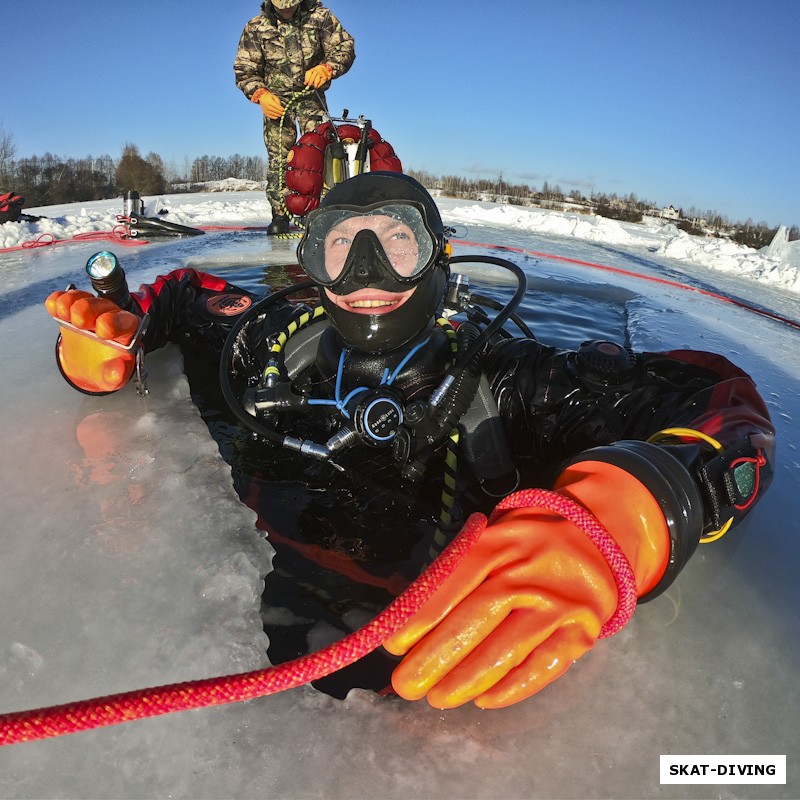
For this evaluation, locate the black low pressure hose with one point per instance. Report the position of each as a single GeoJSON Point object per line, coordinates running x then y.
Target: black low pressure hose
{"type": "Point", "coordinates": [460, 395]}
{"type": "Point", "coordinates": [454, 396]}
{"type": "Point", "coordinates": [496, 305]}
{"type": "Point", "coordinates": [457, 384]}
{"type": "Point", "coordinates": [225, 359]}
{"type": "Point", "coordinates": [510, 307]}
{"type": "Point", "coordinates": [463, 390]}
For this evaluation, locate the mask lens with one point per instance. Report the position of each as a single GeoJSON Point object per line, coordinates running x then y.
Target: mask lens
{"type": "Point", "coordinates": [400, 229]}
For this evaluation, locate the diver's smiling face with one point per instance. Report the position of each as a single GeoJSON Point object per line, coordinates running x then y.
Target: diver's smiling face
{"type": "Point", "coordinates": [398, 242]}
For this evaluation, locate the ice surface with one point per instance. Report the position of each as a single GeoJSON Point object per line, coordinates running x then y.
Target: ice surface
{"type": "Point", "coordinates": [128, 561]}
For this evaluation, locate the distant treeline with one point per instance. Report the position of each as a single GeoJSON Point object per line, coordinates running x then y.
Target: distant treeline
{"type": "Point", "coordinates": [51, 180]}
{"type": "Point", "coordinates": [628, 208]}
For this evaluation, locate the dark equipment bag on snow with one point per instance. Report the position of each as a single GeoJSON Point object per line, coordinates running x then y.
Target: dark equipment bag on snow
{"type": "Point", "coordinates": [10, 207]}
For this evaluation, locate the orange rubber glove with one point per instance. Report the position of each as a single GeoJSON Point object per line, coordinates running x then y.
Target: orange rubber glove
{"type": "Point", "coordinates": [318, 76]}
{"type": "Point", "coordinates": [89, 361]}
{"type": "Point", "coordinates": [530, 597]}
{"type": "Point", "coordinates": [271, 105]}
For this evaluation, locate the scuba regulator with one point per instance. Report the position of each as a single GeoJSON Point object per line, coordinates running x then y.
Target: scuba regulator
{"type": "Point", "coordinates": [374, 416]}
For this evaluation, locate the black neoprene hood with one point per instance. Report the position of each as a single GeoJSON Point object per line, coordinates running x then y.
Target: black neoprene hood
{"type": "Point", "coordinates": [379, 333]}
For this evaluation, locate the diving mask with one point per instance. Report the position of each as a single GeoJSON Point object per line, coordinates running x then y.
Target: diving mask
{"type": "Point", "coordinates": [386, 241]}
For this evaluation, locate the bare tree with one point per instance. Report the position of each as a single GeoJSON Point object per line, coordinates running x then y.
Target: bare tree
{"type": "Point", "coordinates": [7, 152]}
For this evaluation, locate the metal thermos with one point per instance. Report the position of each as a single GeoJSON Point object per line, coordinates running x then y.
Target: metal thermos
{"type": "Point", "coordinates": [134, 205]}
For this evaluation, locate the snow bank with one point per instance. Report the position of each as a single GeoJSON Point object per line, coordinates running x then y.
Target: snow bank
{"type": "Point", "coordinates": [777, 265]}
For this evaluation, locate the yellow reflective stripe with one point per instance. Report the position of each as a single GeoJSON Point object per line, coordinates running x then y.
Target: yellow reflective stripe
{"type": "Point", "coordinates": [685, 433]}
{"type": "Point", "coordinates": [714, 535]}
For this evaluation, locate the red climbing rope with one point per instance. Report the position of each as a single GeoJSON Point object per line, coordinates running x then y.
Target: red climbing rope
{"type": "Point", "coordinates": [27, 726]}
{"type": "Point", "coordinates": [119, 234]}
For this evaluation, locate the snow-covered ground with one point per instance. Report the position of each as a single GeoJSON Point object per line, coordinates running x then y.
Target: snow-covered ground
{"type": "Point", "coordinates": [777, 265]}
{"type": "Point", "coordinates": [128, 560]}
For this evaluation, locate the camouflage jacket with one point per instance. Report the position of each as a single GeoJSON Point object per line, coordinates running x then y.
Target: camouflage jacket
{"type": "Point", "coordinates": [274, 54]}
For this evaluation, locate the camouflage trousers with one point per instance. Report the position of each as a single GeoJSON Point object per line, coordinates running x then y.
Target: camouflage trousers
{"type": "Point", "coordinates": [307, 112]}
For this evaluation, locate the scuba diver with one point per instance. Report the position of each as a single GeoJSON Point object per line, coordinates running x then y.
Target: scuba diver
{"type": "Point", "coordinates": [367, 425]}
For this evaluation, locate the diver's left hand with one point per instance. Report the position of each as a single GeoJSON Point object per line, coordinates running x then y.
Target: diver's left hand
{"type": "Point", "coordinates": [318, 76]}
{"type": "Point", "coordinates": [528, 600]}
{"type": "Point", "coordinates": [90, 362]}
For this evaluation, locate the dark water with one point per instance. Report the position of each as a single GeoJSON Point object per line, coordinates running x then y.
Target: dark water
{"type": "Point", "coordinates": [561, 311]}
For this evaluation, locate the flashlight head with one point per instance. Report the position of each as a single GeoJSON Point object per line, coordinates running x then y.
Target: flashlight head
{"type": "Point", "coordinates": [101, 265]}
{"type": "Point", "coordinates": [108, 278]}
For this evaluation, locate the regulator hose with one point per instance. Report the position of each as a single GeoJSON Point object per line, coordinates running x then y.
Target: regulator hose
{"type": "Point", "coordinates": [225, 359]}
{"type": "Point", "coordinates": [509, 308]}
{"type": "Point", "coordinates": [497, 306]}
{"type": "Point", "coordinates": [461, 393]}
{"type": "Point", "coordinates": [458, 399]}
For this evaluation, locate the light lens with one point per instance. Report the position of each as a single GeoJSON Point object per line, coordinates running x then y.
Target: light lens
{"type": "Point", "coordinates": [101, 265]}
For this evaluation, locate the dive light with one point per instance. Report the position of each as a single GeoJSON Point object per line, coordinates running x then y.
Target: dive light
{"type": "Point", "coordinates": [108, 279]}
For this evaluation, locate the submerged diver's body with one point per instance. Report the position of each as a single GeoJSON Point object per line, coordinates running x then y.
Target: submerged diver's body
{"type": "Point", "coordinates": [353, 526]}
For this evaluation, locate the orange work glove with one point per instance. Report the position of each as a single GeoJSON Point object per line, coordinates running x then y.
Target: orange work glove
{"type": "Point", "coordinates": [271, 105]}
{"type": "Point", "coordinates": [88, 356]}
{"type": "Point", "coordinates": [531, 596]}
{"type": "Point", "coordinates": [318, 76]}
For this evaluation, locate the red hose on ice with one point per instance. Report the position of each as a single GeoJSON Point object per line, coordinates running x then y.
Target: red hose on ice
{"type": "Point", "coordinates": [119, 235]}
{"type": "Point", "coordinates": [652, 278]}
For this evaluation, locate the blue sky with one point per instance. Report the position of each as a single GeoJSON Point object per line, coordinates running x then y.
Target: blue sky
{"type": "Point", "coordinates": [688, 102]}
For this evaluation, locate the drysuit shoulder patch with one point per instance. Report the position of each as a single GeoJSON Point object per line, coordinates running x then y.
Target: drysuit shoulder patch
{"type": "Point", "coordinates": [228, 304]}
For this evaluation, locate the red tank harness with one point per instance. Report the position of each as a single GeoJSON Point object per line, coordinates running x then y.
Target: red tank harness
{"type": "Point", "coordinates": [306, 163]}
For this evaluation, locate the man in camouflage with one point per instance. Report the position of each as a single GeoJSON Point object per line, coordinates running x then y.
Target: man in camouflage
{"type": "Point", "coordinates": [290, 45]}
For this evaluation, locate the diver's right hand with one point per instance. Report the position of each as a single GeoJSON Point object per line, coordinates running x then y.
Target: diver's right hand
{"type": "Point", "coordinates": [271, 105]}
{"type": "Point", "coordinates": [89, 362]}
